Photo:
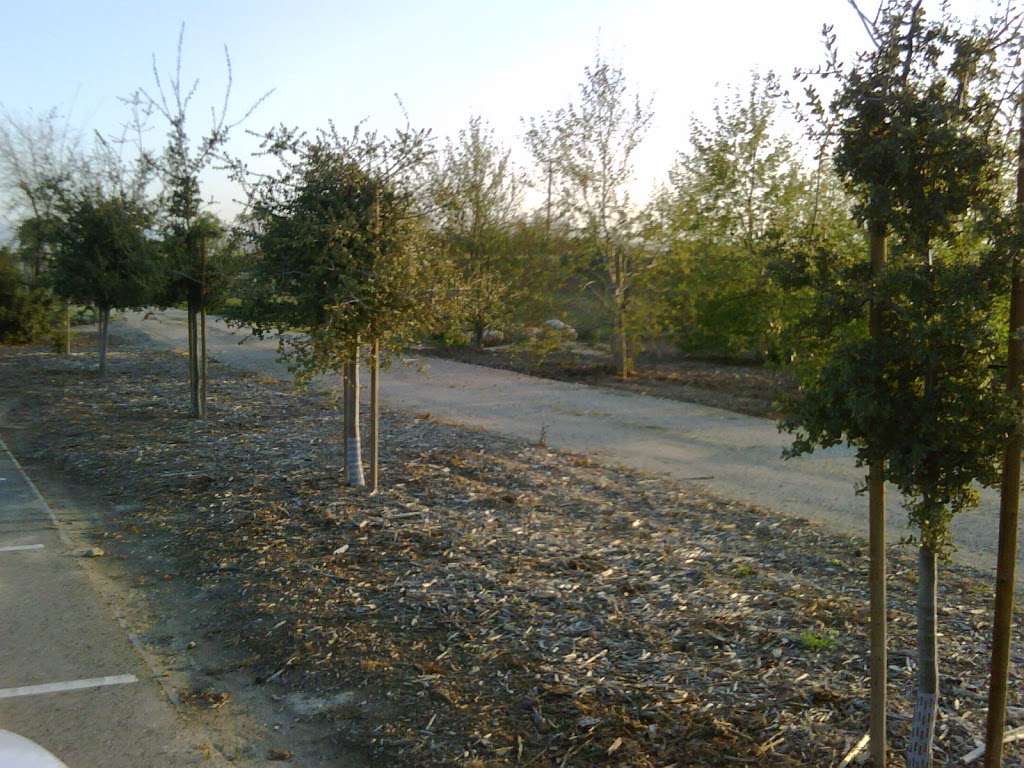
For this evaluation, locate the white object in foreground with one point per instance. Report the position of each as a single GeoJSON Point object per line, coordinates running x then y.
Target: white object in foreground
{"type": "Point", "coordinates": [18, 752]}
{"type": "Point", "coordinates": [1013, 735]}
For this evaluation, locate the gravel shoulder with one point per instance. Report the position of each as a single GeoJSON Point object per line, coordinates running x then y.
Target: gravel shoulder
{"type": "Point", "coordinates": [499, 602]}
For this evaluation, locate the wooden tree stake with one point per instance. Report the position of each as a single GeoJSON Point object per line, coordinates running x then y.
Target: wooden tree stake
{"type": "Point", "coordinates": [876, 534]}
{"type": "Point", "coordinates": [374, 415]}
{"type": "Point", "coordinates": [1009, 501]}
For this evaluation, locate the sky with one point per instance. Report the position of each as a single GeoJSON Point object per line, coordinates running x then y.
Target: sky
{"type": "Point", "coordinates": [446, 59]}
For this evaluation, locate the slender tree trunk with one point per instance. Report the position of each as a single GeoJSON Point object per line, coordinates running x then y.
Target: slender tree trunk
{"type": "Point", "coordinates": [922, 729]}
{"type": "Point", "coordinates": [354, 453]}
{"type": "Point", "coordinates": [193, 356]}
{"type": "Point", "coordinates": [620, 344]}
{"type": "Point", "coordinates": [375, 416]}
{"type": "Point", "coordinates": [622, 340]}
{"type": "Point", "coordinates": [104, 339]}
{"type": "Point", "coordinates": [1009, 500]}
{"type": "Point", "coordinates": [345, 418]}
{"type": "Point", "coordinates": [876, 535]}
{"type": "Point", "coordinates": [67, 327]}
{"type": "Point", "coordinates": [547, 216]}
{"type": "Point", "coordinates": [191, 341]}
{"type": "Point", "coordinates": [202, 362]}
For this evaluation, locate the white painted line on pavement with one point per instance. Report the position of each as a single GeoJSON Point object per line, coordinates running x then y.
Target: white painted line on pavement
{"type": "Point", "coordinates": [20, 547]}
{"type": "Point", "coordinates": [70, 685]}
{"type": "Point", "coordinates": [35, 491]}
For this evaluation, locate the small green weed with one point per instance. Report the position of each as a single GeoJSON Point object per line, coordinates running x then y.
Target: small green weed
{"type": "Point", "coordinates": [743, 571]}
{"type": "Point", "coordinates": [817, 642]}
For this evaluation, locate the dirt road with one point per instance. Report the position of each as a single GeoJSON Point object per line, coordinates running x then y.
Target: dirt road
{"type": "Point", "coordinates": [735, 456]}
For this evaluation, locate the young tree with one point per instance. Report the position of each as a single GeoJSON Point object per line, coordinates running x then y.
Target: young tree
{"type": "Point", "coordinates": [183, 162]}
{"type": "Point", "coordinates": [477, 193]}
{"type": "Point", "coordinates": [26, 313]}
{"type": "Point", "coordinates": [342, 258]}
{"type": "Point", "coordinates": [104, 257]}
{"type": "Point", "coordinates": [40, 160]}
{"type": "Point", "coordinates": [916, 401]}
{"type": "Point", "coordinates": [589, 147]}
{"type": "Point", "coordinates": [737, 195]}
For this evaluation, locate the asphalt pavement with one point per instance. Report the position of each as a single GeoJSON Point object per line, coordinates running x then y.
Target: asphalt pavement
{"type": "Point", "coordinates": [70, 678]}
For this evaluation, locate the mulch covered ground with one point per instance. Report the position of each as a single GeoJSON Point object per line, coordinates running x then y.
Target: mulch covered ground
{"type": "Point", "coordinates": [498, 603]}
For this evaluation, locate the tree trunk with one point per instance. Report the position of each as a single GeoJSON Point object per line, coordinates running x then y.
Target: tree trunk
{"type": "Point", "coordinates": [193, 356]}
{"type": "Point", "coordinates": [1009, 500]}
{"type": "Point", "coordinates": [202, 362]}
{"type": "Point", "coordinates": [104, 339]}
{"type": "Point", "coordinates": [922, 729]}
{"type": "Point", "coordinates": [200, 349]}
{"type": "Point", "coordinates": [876, 536]}
{"type": "Point", "coordinates": [622, 342]}
{"type": "Point", "coordinates": [344, 420]}
{"type": "Point", "coordinates": [547, 216]}
{"type": "Point", "coordinates": [353, 448]}
{"type": "Point", "coordinates": [374, 416]}
{"type": "Point", "coordinates": [67, 327]}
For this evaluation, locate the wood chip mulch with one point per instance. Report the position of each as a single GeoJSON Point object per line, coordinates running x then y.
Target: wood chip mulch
{"type": "Point", "coordinates": [499, 603]}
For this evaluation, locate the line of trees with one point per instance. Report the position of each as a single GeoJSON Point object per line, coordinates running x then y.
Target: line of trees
{"type": "Point", "coordinates": [880, 273]}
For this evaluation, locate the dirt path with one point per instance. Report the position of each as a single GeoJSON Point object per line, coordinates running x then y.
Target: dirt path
{"type": "Point", "coordinates": [733, 455]}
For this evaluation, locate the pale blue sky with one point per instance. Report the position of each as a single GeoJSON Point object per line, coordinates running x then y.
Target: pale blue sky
{"type": "Point", "coordinates": [447, 59]}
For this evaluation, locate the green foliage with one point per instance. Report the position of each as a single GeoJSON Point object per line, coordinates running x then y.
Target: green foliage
{"type": "Point", "coordinates": [587, 150]}
{"type": "Point", "coordinates": [540, 345]}
{"type": "Point", "coordinates": [36, 236]}
{"type": "Point", "coordinates": [816, 642]}
{"type": "Point", "coordinates": [26, 314]}
{"type": "Point", "coordinates": [476, 196]}
{"type": "Point", "coordinates": [913, 133]}
{"type": "Point", "coordinates": [915, 148]}
{"type": "Point", "coordinates": [343, 253]}
{"type": "Point", "coordinates": [737, 199]}
{"type": "Point", "coordinates": [926, 398]}
{"type": "Point", "coordinates": [103, 254]}
{"type": "Point", "coordinates": [203, 262]}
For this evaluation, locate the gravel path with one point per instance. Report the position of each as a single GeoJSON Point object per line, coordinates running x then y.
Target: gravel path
{"type": "Point", "coordinates": [732, 455]}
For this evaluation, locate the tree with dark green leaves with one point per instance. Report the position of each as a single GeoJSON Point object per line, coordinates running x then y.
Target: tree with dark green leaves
{"type": "Point", "coordinates": [342, 259]}
{"type": "Point", "coordinates": [914, 392]}
{"type": "Point", "coordinates": [210, 279]}
{"type": "Point", "coordinates": [105, 257]}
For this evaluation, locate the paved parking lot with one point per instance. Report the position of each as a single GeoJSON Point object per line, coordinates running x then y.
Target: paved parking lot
{"type": "Point", "coordinates": [70, 679]}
